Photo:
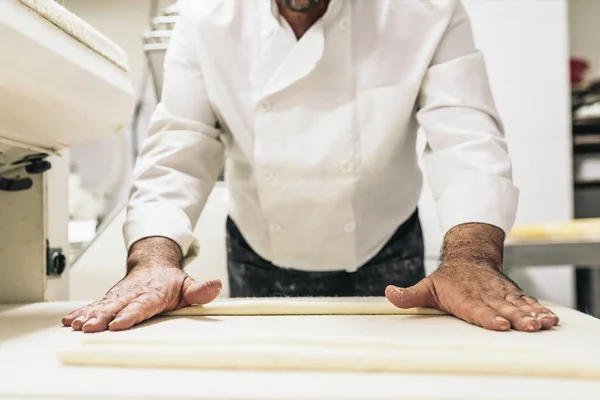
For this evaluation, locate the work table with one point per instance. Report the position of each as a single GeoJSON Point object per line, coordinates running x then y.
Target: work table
{"type": "Point", "coordinates": [31, 336]}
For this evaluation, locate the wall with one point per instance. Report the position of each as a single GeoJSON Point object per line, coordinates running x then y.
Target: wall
{"type": "Point", "coordinates": [585, 31]}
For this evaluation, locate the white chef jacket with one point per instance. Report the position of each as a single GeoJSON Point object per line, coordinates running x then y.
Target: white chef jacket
{"type": "Point", "coordinates": [318, 134]}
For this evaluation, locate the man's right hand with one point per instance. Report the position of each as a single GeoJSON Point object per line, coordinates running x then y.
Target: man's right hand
{"type": "Point", "coordinates": [154, 284]}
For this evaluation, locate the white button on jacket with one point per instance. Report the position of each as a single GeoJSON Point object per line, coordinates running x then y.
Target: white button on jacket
{"type": "Point", "coordinates": [321, 131]}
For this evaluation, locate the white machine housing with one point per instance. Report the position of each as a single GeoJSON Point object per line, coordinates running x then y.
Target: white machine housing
{"type": "Point", "coordinates": [61, 83]}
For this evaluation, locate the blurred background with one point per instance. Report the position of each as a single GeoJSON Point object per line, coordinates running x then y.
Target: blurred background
{"type": "Point", "coordinates": [543, 58]}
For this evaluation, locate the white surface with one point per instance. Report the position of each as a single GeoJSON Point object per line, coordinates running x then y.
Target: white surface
{"type": "Point", "coordinates": [55, 91]}
{"type": "Point", "coordinates": [30, 337]}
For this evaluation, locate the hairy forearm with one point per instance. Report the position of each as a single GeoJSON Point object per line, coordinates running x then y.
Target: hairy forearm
{"type": "Point", "coordinates": [155, 252]}
{"type": "Point", "coordinates": [481, 244]}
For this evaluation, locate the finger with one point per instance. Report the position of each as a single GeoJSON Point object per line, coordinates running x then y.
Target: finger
{"type": "Point", "coordinates": [522, 305]}
{"type": "Point", "coordinates": [78, 322]}
{"type": "Point", "coordinates": [419, 295]}
{"type": "Point", "coordinates": [80, 317]}
{"type": "Point", "coordinates": [200, 293]}
{"type": "Point", "coordinates": [77, 318]}
{"type": "Point", "coordinates": [140, 309]}
{"type": "Point", "coordinates": [478, 313]}
{"type": "Point", "coordinates": [99, 318]}
{"type": "Point", "coordinates": [73, 315]}
{"type": "Point", "coordinates": [546, 316]}
{"type": "Point", "coordinates": [519, 319]}
{"type": "Point", "coordinates": [83, 311]}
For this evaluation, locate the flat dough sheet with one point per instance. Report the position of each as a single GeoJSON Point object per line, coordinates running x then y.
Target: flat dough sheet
{"type": "Point", "coordinates": [302, 306]}
{"type": "Point", "coordinates": [417, 343]}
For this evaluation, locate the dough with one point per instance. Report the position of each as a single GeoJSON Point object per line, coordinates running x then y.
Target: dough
{"type": "Point", "coordinates": [580, 229]}
{"type": "Point", "coordinates": [303, 306]}
{"type": "Point", "coordinates": [344, 342]}
{"type": "Point", "coordinates": [360, 343]}
{"type": "Point", "coordinates": [338, 358]}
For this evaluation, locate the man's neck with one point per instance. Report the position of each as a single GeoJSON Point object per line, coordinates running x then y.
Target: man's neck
{"type": "Point", "coordinates": [301, 21]}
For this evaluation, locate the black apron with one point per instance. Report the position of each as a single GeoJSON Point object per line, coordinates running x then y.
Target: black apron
{"type": "Point", "coordinates": [400, 262]}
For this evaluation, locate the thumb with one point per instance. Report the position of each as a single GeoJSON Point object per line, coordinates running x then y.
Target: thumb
{"type": "Point", "coordinates": [200, 293]}
{"type": "Point", "coordinates": [418, 295]}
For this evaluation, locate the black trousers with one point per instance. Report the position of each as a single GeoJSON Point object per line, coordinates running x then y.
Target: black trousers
{"type": "Point", "coordinates": [400, 262]}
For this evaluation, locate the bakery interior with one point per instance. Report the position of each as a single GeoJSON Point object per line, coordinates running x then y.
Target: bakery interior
{"type": "Point", "coordinates": [64, 206]}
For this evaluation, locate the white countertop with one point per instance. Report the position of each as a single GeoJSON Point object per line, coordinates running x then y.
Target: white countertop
{"type": "Point", "coordinates": [31, 335]}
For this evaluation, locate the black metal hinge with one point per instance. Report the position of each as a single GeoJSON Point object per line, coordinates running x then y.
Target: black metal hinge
{"type": "Point", "coordinates": [34, 164]}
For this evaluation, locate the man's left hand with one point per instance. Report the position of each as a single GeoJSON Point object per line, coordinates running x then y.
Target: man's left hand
{"type": "Point", "coordinates": [470, 285]}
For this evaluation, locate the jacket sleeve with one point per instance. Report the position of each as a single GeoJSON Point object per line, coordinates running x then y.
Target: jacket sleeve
{"type": "Point", "coordinates": [180, 160]}
{"type": "Point", "coordinates": [466, 158]}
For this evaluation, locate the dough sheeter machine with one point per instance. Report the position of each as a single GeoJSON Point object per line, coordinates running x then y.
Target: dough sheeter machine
{"type": "Point", "coordinates": [64, 83]}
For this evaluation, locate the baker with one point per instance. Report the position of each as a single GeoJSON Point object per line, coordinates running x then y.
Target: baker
{"type": "Point", "coordinates": [314, 107]}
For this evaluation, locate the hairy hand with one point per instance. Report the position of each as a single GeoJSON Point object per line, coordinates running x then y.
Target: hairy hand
{"type": "Point", "coordinates": [151, 286]}
{"type": "Point", "coordinates": [470, 285]}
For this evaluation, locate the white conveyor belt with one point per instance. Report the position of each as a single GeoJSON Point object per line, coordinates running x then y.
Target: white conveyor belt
{"type": "Point", "coordinates": [61, 82]}
{"type": "Point", "coordinates": [31, 338]}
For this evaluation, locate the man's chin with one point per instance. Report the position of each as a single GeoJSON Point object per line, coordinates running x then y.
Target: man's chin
{"type": "Point", "coordinates": [300, 5]}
